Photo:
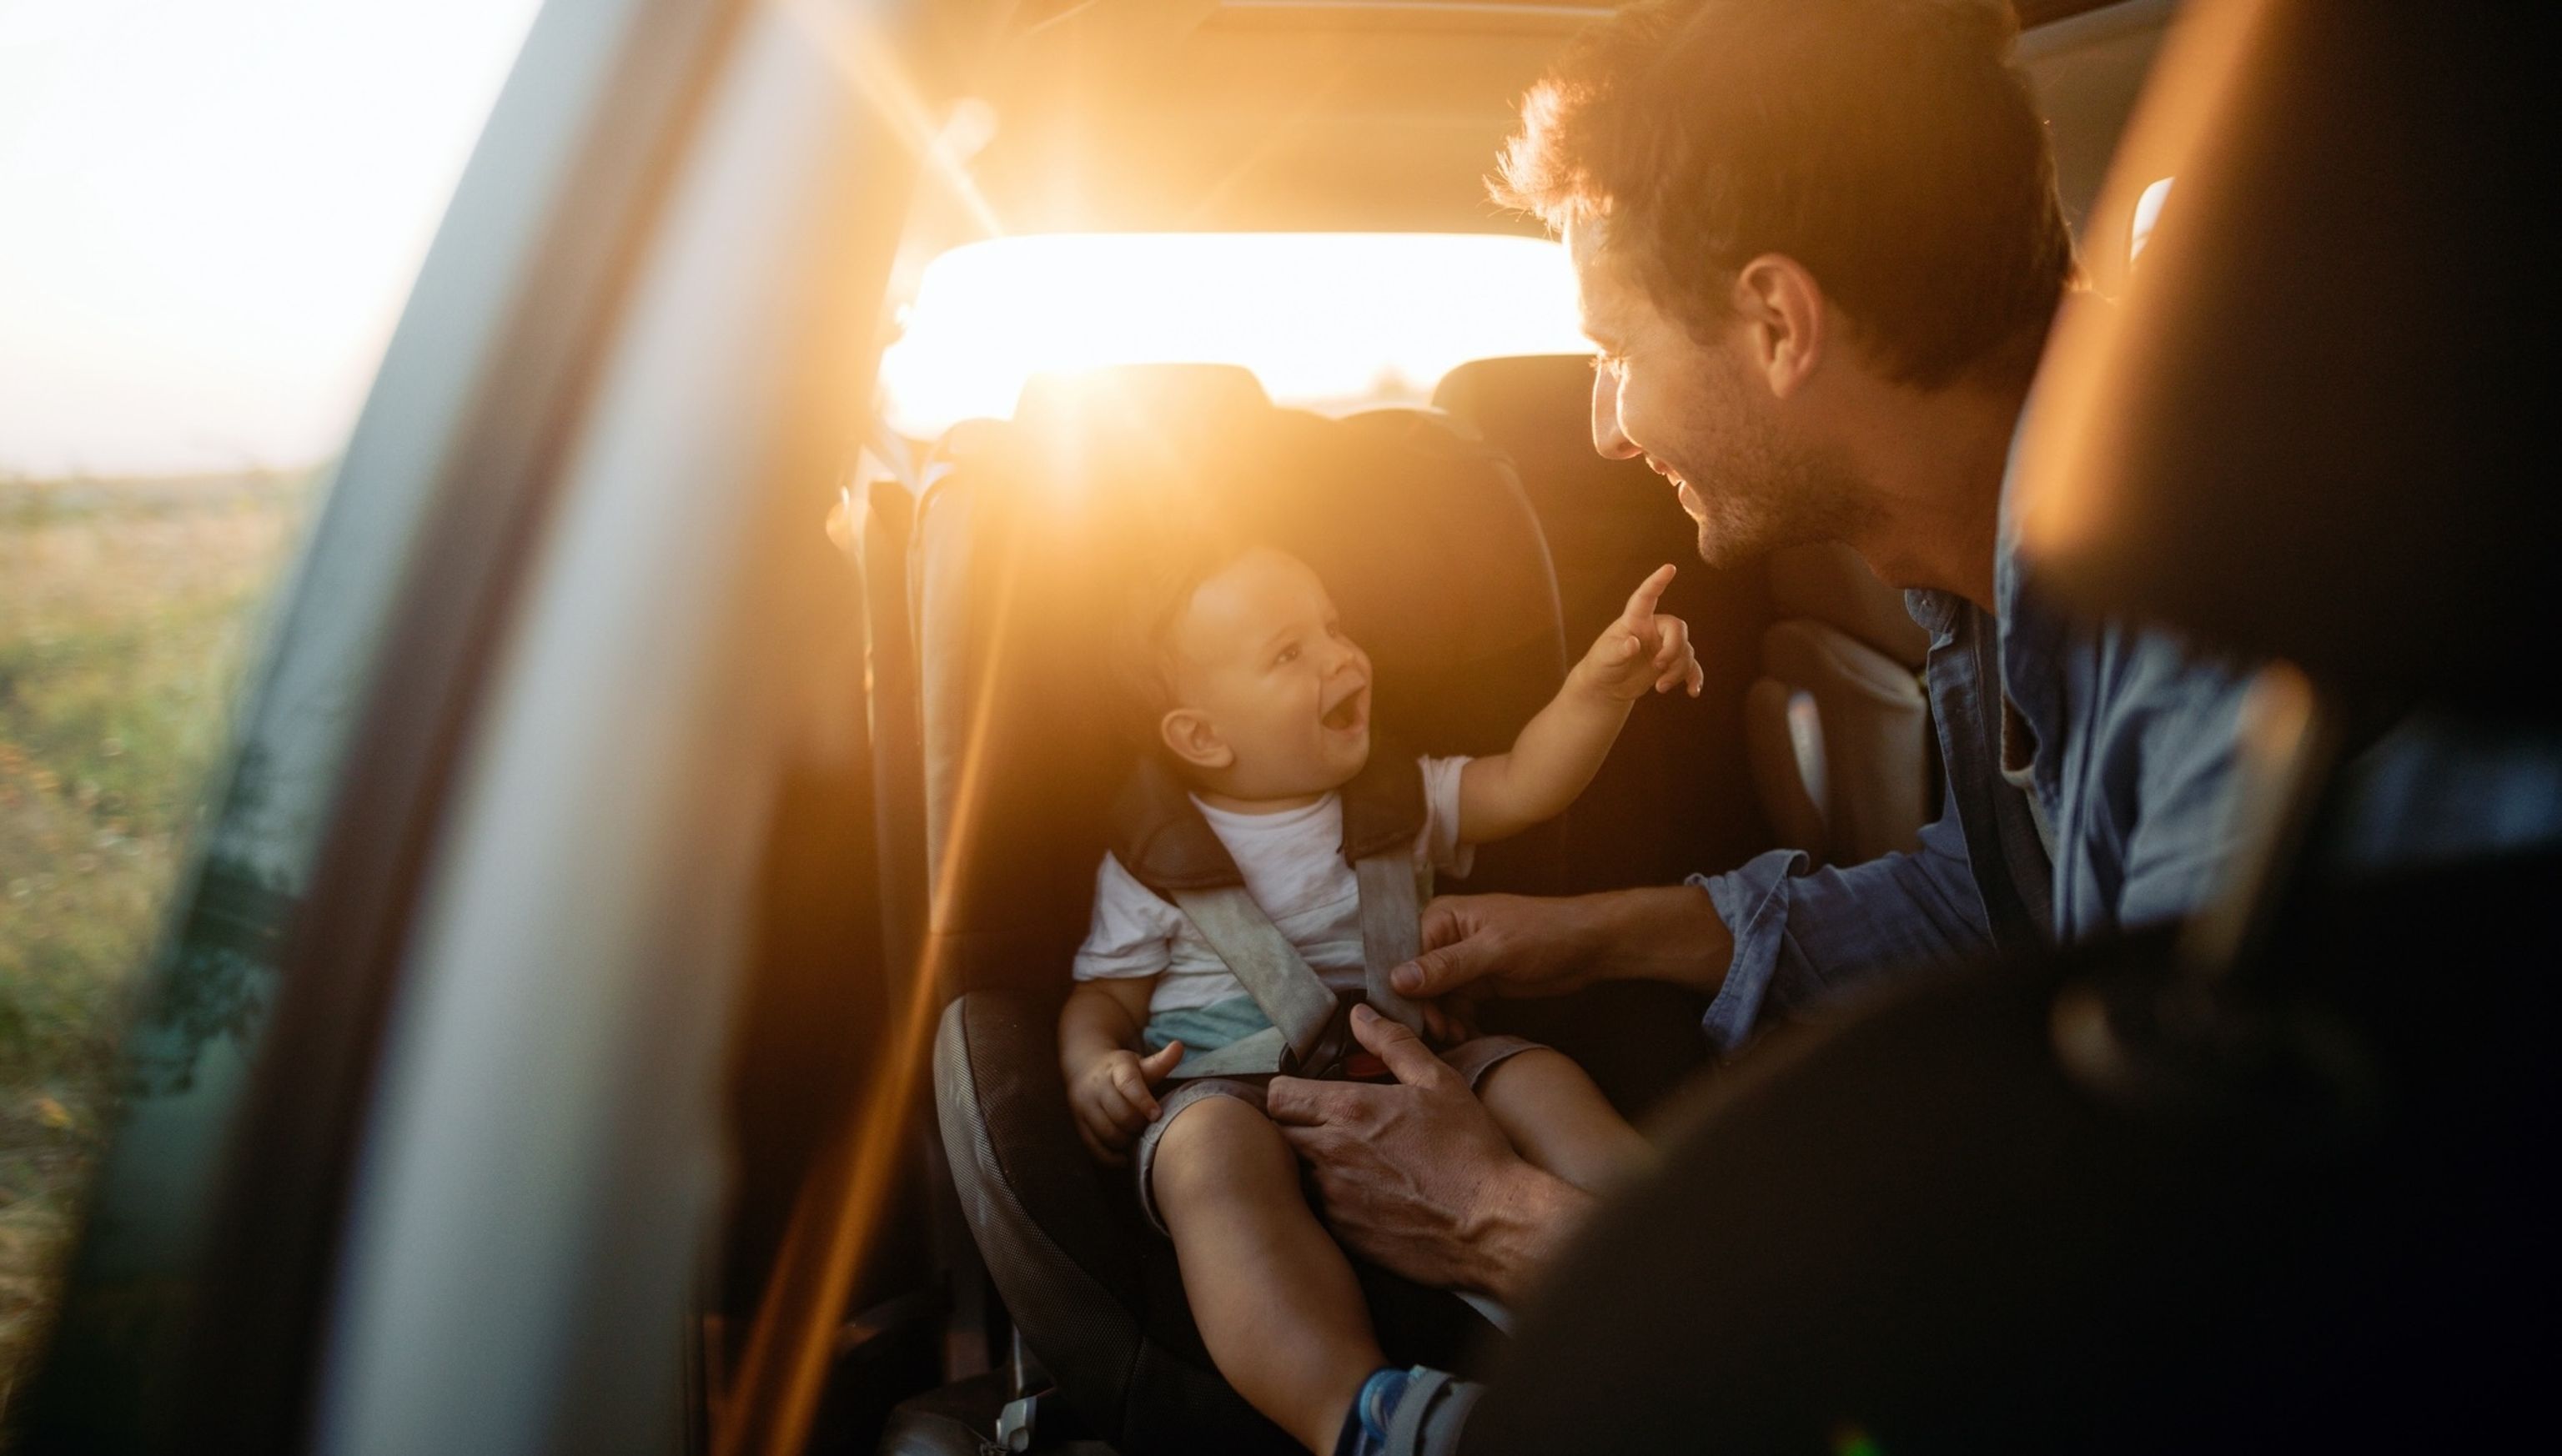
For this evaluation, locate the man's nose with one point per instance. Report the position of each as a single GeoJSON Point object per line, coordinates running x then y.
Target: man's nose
{"type": "Point", "coordinates": [1608, 438]}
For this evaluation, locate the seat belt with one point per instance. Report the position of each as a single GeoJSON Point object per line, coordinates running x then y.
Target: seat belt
{"type": "Point", "coordinates": [1392, 929]}
{"type": "Point", "coordinates": [1307, 1031]}
{"type": "Point", "coordinates": [1292, 998]}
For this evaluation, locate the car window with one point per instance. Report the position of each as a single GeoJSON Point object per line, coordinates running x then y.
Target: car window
{"type": "Point", "coordinates": [1327, 320]}
{"type": "Point", "coordinates": [233, 199]}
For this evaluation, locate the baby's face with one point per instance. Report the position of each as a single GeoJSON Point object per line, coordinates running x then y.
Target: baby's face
{"type": "Point", "coordinates": [1260, 657]}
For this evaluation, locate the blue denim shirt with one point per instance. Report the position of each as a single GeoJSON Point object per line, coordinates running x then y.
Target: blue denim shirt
{"type": "Point", "coordinates": [2132, 741]}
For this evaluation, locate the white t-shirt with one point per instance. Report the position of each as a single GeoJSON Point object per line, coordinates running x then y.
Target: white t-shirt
{"type": "Point", "coordinates": [1293, 863]}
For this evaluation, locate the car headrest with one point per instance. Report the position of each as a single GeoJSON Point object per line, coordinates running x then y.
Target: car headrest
{"type": "Point", "coordinates": [1537, 397]}
{"type": "Point", "coordinates": [1118, 397]}
{"type": "Point", "coordinates": [2303, 432]}
{"type": "Point", "coordinates": [1598, 513]}
{"type": "Point", "coordinates": [1420, 533]}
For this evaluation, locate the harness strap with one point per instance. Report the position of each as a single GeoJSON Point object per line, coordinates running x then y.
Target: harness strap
{"type": "Point", "coordinates": [1292, 998]}
{"type": "Point", "coordinates": [1392, 929]}
{"type": "Point", "coordinates": [1252, 1056]}
{"type": "Point", "coordinates": [1309, 1035]}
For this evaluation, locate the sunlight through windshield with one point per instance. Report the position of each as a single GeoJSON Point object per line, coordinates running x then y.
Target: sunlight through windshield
{"type": "Point", "coordinates": [1325, 320]}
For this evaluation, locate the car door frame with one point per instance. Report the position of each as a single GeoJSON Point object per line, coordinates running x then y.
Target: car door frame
{"type": "Point", "coordinates": [575, 256]}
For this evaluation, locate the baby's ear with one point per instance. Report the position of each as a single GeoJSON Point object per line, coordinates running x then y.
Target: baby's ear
{"type": "Point", "coordinates": [1189, 735]}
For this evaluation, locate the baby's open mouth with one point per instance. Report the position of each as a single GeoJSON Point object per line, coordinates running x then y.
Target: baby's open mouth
{"type": "Point", "coordinates": [1349, 714]}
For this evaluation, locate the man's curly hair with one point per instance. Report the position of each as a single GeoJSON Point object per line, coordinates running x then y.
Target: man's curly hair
{"type": "Point", "coordinates": [1890, 146]}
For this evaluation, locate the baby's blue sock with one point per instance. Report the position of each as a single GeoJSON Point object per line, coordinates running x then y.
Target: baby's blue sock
{"type": "Point", "coordinates": [1365, 1430]}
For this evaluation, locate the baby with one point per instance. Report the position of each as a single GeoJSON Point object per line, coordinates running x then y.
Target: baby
{"type": "Point", "coordinates": [1235, 665]}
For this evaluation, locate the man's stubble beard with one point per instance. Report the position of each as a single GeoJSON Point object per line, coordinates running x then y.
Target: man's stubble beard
{"type": "Point", "coordinates": [1770, 492]}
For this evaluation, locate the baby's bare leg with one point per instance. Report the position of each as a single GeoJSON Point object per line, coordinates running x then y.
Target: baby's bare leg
{"type": "Point", "coordinates": [1275, 1301]}
{"type": "Point", "coordinates": [1554, 1117]}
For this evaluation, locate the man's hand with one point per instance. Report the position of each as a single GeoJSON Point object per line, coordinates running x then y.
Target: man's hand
{"type": "Point", "coordinates": [1518, 944]}
{"type": "Point", "coordinates": [1527, 946]}
{"type": "Point", "coordinates": [1416, 1177]}
{"type": "Point", "coordinates": [1643, 649]}
{"type": "Point", "coordinates": [1112, 1100]}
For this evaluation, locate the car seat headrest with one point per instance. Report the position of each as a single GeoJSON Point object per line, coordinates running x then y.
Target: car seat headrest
{"type": "Point", "coordinates": [2303, 432]}
{"type": "Point", "coordinates": [1130, 395]}
{"type": "Point", "coordinates": [1541, 396]}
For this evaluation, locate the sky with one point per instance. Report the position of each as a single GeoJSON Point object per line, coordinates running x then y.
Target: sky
{"type": "Point", "coordinates": [211, 211]}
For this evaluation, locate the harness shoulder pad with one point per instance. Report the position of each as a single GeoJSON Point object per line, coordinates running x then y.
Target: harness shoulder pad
{"type": "Point", "coordinates": [1159, 837]}
{"type": "Point", "coordinates": [1382, 805]}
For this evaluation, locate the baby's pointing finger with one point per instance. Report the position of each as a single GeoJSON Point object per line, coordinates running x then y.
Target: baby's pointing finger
{"type": "Point", "coordinates": [1641, 602]}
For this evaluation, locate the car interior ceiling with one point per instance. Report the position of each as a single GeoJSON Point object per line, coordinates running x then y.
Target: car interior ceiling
{"type": "Point", "coordinates": [957, 842]}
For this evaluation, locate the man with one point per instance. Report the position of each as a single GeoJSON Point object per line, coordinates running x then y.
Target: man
{"type": "Point", "coordinates": [1818, 244]}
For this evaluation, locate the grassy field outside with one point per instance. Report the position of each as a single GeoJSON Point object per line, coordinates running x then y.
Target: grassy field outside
{"type": "Point", "coordinates": [128, 611]}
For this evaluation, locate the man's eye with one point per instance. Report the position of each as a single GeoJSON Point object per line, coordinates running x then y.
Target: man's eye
{"type": "Point", "coordinates": [1286, 657]}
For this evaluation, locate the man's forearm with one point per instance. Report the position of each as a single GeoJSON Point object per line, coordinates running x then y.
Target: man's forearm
{"type": "Point", "coordinates": [1521, 1230]}
{"type": "Point", "coordinates": [1661, 933]}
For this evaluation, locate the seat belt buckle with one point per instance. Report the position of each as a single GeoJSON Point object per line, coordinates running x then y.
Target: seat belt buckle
{"type": "Point", "coordinates": [1338, 1055]}
{"type": "Point", "coordinates": [1335, 1048]}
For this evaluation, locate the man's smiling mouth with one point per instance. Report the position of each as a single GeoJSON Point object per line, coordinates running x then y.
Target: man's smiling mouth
{"type": "Point", "coordinates": [1691, 504]}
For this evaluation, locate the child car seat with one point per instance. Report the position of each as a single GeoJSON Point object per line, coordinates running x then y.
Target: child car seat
{"type": "Point", "coordinates": [1428, 548]}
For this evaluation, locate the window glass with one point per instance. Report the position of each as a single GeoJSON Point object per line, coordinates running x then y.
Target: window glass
{"type": "Point", "coordinates": [214, 210]}
{"type": "Point", "coordinates": [1327, 320]}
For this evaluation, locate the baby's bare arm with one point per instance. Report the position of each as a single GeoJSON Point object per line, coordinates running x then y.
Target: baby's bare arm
{"type": "Point", "coordinates": [1108, 1084]}
{"type": "Point", "coordinates": [1101, 1017]}
{"type": "Point", "coordinates": [1560, 750]}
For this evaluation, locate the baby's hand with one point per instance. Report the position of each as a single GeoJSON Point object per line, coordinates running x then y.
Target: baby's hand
{"type": "Point", "coordinates": [1112, 1102]}
{"type": "Point", "coordinates": [1644, 646]}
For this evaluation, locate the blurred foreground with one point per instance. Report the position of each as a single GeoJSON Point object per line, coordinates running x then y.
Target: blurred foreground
{"type": "Point", "coordinates": [128, 610]}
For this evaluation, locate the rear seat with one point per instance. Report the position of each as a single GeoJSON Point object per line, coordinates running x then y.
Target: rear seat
{"type": "Point", "coordinates": [1838, 724]}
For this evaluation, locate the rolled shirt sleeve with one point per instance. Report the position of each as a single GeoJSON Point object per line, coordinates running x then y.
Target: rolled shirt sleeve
{"type": "Point", "coordinates": [1804, 935]}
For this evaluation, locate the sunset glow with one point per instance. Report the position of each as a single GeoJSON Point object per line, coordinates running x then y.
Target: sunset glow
{"type": "Point", "coordinates": [213, 213]}
{"type": "Point", "coordinates": [1324, 320]}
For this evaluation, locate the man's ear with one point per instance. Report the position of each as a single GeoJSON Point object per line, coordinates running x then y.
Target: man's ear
{"type": "Point", "coordinates": [1782, 311]}
{"type": "Point", "coordinates": [1191, 736]}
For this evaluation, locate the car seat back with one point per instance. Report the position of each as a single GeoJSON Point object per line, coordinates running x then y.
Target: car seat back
{"type": "Point", "coordinates": [1838, 724]}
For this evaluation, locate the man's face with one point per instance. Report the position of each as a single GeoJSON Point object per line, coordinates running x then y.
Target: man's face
{"type": "Point", "coordinates": [1701, 416]}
